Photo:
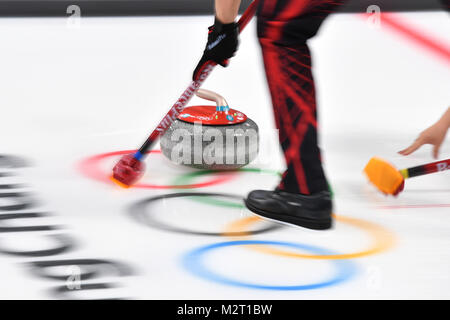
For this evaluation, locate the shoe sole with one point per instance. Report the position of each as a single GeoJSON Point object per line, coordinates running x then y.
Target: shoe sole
{"type": "Point", "coordinates": [322, 224]}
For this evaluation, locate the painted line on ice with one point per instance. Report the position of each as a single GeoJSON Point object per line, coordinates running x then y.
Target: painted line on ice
{"type": "Point", "coordinates": [415, 206]}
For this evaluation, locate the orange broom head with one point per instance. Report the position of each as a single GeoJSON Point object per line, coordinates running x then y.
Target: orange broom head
{"type": "Point", "coordinates": [384, 176]}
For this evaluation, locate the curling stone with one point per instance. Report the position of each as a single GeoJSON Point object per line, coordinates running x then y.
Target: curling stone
{"type": "Point", "coordinates": [211, 137]}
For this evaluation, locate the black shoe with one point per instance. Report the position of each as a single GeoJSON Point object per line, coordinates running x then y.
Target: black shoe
{"type": "Point", "coordinates": [313, 212]}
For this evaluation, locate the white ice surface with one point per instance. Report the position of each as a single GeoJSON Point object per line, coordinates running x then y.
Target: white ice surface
{"type": "Point", "coordinates": [68, 92]}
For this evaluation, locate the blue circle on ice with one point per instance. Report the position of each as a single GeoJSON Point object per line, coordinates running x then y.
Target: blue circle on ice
{"type": "Point", "coordinates": [193, 261]}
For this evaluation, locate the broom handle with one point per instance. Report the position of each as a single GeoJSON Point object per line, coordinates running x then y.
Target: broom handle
{"type": "Point", "coordinates": [189, 92]}
{"type": "Point", "coordinates": [426, 169]}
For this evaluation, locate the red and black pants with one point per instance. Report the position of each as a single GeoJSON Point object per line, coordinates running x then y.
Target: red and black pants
{"type": "Point", "coordinates": [284, 26]}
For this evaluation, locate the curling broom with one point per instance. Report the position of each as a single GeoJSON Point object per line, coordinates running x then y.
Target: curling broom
{"type": "Point", "coordinates": [390, 180]}
{"type": "Point", "coordinates": [131, 167]}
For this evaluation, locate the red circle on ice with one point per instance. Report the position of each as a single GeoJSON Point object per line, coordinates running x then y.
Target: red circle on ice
{"type": "Point", "coordinates": [90, 167]}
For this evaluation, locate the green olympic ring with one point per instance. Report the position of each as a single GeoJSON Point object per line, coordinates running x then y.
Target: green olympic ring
{"type": "Point", "coordinates": [218, 202]}
{"type": "Point", "coordinates": [186, 179]}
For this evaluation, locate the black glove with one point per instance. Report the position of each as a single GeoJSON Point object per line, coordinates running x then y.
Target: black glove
{"type": "Point", "coordinates": [222, 44]}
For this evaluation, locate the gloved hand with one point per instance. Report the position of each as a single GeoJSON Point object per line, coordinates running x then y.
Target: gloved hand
{"type": "Point", "coordinates": [222, 44]}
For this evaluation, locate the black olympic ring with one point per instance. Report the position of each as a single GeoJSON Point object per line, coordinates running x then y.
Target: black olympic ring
{"type": "Point", "coordinates": [138, 211]}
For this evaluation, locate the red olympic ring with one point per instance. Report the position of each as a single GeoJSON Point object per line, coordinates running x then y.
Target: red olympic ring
{"type": "Point", "coordinates": [91, 169]}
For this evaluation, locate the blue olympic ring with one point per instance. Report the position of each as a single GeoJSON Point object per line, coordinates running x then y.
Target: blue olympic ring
{"type": "Point", "coordinates": [193, 262]}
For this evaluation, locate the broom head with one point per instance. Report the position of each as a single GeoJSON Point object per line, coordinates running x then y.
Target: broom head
{"type": "Point", "coordinates": [384, 176]}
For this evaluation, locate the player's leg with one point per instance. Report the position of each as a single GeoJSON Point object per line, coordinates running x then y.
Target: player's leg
{"type": "Point", "coordinates": [292, 89]}
{"type": "Point", "coordinates": [284, 26]}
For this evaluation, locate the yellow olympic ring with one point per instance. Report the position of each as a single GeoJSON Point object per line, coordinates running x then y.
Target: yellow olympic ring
{"type": "Point", "coordinates": [382, 239]}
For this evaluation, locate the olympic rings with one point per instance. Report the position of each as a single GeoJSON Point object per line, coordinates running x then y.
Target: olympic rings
{"type": "Point", "coordinates": [382, 239]}
{"type": "Point", "coordinates": [90, 168]}
{"type": "Point", "coordinates": [139, 212]}
{"type": "Point", "coordinates": [193, 262]}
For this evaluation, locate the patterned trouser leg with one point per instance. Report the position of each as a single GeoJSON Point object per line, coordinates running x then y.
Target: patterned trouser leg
{"type": "Point", "coordinates": [284, 26]}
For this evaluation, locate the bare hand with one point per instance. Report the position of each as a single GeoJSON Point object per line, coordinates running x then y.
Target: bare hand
{"type": "Point", "coordinates": [434, 135]}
